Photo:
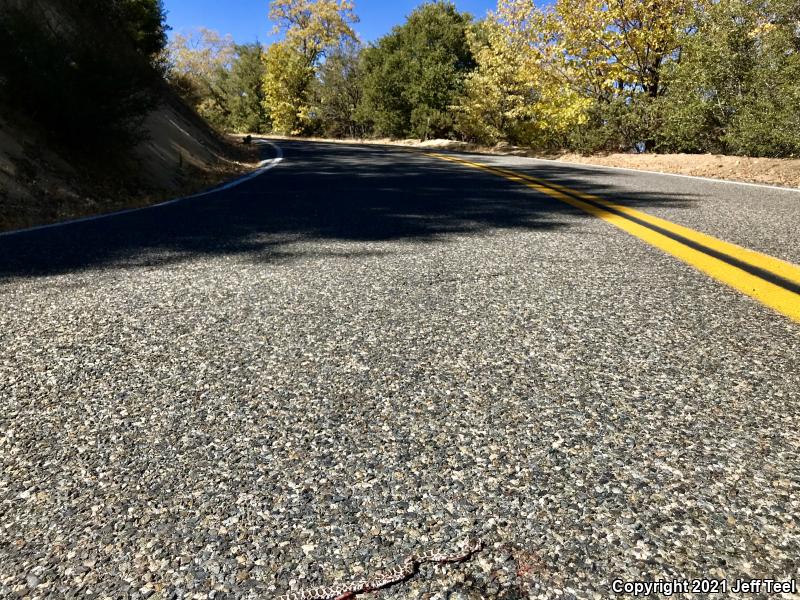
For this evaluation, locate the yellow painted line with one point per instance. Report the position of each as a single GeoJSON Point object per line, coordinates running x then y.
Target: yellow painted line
{"type": "Point", "coordinates": [777, 266]}
{"type": "Point", "coordinates": [770, 294]}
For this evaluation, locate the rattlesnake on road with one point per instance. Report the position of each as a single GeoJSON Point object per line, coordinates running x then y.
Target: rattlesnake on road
{"type": "Point", "coordinates": [384, 579]}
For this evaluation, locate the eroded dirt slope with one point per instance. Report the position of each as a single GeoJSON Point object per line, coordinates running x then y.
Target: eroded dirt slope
{"type": "Point", "coordinates": [42, 183]}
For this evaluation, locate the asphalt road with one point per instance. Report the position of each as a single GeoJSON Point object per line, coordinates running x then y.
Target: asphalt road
{"type": "Point", "coordinates": [366, 352]}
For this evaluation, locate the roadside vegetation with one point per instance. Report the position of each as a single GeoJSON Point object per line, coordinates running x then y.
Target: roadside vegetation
{"type": "Point", "coordinates": [88, 71]}
{"type": "Point", "coordinates": [100, 109]}
{"type": "Point", "coordinates": [88, 122]}
{"type": "Point", "coordinates": [717, 76]}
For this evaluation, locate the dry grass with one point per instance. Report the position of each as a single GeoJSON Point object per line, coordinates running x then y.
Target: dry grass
{"type": "Point", "coordinates": [40, 184]}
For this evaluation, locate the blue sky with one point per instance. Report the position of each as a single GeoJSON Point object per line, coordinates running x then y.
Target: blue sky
{"type": "Point", "coordinates": [247, 20]}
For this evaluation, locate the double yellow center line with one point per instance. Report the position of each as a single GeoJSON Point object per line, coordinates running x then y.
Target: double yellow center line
{"type": "Point", "coordinates": [769, 280]}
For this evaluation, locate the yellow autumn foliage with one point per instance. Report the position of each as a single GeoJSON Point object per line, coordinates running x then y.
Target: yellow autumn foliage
{"type": "Point", "coordinates": [312, 26]}
{"type": "Point", "coordinates": [496, 101]}
{"type": "Point", "coordinates": [541, 70]}
{"type": "Point", "coordinates": [286, 88]}
{"type": "Point", "coordinates": [309, 28]}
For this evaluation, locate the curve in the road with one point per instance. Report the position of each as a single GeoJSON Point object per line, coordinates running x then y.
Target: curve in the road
{"type": "Point", "coordinates": [263, 166]}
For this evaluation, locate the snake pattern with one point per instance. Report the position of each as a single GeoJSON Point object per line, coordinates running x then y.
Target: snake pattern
{"type": "Point", "coordinates": [385, 578]}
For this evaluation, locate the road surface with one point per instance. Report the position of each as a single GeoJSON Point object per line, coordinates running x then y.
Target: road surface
{"type": "Point", "coordinates": [367, 351]}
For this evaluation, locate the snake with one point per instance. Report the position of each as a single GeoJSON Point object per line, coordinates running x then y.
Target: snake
{"type": "Point", "coordinates": [395, 575]}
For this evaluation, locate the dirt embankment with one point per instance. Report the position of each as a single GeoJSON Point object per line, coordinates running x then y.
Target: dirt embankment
{"type": "Point", "coordinates": [773, 171]}
{"type": "Point", "coordinates": [41, 183]}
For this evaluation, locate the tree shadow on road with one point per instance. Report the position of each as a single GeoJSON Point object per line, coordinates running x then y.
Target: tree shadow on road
{"type": "Point", "coordinates": [322, 192]}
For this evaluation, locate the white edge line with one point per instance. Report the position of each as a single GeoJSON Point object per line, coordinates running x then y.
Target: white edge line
{"type": "Point", "coordinates": [263, 166]}
{"type": "Point", "coordinates": [604, 167]}
{"type": "Point", "coordinates": [423, 149]}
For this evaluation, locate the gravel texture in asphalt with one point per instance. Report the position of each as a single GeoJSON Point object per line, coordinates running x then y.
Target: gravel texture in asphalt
{"type": "Point", "coordinates": [761, 218]}
{"type": "Point", "coordinates": [367, 352]}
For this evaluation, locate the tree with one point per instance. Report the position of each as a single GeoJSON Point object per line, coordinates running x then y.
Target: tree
{"type": "Point", "coordinates": [546, 98]}
{"type": "Point", "coordinates": [768, 120]}
{"type": "Point", "coordinates": [415, 74]}
{"type": "Point", "coordinates": [338, 93]}
{"type": "Point", "coordinates": [590, 58]}
{"type": "Point", "coordinates": [222, 80]}
{"type": "Point", "coordinates": [82, 70]}
{"type": "Point", "coordinates": [623, 44]}
{"type": "Point", "coordinates": [310, 28]}
{"type": "Point", "coordinates": [244, 92]}
{"type": "Point", "coordinates": [146, 24]}
{"type": "Point", "coordinates": [736, 88]}
{"type": "Point", "coordinates": [313, 26]}
{"type": "Point", "coordinates": [200, 63]}
{"type": "Point", "coordinates": [498, 99]}
{"type": "Point", "coordinates": [286, 88]}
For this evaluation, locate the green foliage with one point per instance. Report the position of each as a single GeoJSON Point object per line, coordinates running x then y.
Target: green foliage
{"type": "Point", "coordinates": [310, 28]}
{"type": "Point", "coordinates": [338, 92]}
{"type": "Point", "coordinates": [84, 70]}
{"type": "Point", "coordinates": [768, 123]}
{"type": "Point", "coordinates": [767, 120]}
{"type": "Point", "coordinates": [244, 93]}
{"type": "Point", "coordinates": [585, 75]}
{"type": "Point", "coordinates": [618, 125]}
{"type": "Point", "coordinates": [222, 80]}
{"type": "Point", "coordinates": [416, 73]}
{"type": "Point", "coordinates": [737, 87]}
{"type": "Point", "coordinates": [710, 82]}
{"type": "Point", "coordinates": [145, 21]}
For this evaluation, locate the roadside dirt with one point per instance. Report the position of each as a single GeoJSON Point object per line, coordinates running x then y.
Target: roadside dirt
{"type": "Point", "coordinates": [40, 184]}
{"type": "Point", "coordinates": [773, 171]}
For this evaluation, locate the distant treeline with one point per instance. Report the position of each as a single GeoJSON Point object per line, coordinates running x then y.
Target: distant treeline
{"type": "Point", "coordinates": [585, 75]}
{"type": "Point", "coordinates": [88, 71]}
